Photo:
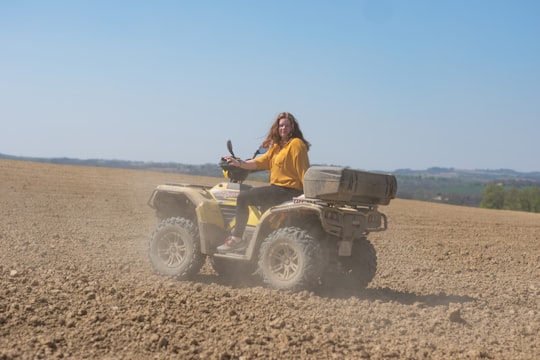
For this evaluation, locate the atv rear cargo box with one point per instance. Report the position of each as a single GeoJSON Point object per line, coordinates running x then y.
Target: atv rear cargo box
{"type": "Point", "coordinates": [348, 186]}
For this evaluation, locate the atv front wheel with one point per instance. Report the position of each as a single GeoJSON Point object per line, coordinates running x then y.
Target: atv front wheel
{"type": "Point", "coordinates": [290, 259]}
{"type": "Point", "coordinates": [174, 248]}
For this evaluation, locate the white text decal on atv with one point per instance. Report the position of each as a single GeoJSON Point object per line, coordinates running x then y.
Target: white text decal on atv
{"type": "Point", "coordinates": [225, 195]}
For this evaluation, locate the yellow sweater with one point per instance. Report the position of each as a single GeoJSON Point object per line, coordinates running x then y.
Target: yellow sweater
{"type": "Point", "coordinates": [287, 165]}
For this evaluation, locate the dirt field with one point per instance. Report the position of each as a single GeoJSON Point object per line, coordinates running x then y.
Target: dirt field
{"type": "Point", "coordinates": [452, 283]}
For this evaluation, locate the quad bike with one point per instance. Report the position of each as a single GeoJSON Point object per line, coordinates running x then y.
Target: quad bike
{"type": "Point", "coordinates": [317, 238]}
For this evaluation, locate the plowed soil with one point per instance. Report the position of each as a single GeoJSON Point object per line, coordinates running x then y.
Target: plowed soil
{"type": "Point", "coordinates": [452, 283]}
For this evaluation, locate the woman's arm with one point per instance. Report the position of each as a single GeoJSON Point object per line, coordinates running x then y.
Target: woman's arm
{"type": "Point", "coordinates": [242, 164]}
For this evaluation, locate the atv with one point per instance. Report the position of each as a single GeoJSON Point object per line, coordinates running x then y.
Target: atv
{"type": "Point", "coordinates": [317, 238]}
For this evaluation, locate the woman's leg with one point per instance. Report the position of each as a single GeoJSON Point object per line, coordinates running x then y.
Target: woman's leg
{"type": "Point", "coordinates": [264, 196]}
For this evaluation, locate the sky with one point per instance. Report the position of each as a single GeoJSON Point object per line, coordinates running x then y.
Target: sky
{"type": "Point", "coordinates": [374, 84]}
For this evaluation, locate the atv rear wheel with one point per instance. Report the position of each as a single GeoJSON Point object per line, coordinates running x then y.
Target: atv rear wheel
{"type": "Point", "coordinates": [290, 259]}
{"type": "Point", "coordinates": [174, 248]}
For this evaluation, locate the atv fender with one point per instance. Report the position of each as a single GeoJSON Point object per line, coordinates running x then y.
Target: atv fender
{"type": "Point", "coordinates": [343, 223]}
{"type": "Point", "coordinates": [192, 202]}
{"type": "Point", "coordinates": [278, 216]}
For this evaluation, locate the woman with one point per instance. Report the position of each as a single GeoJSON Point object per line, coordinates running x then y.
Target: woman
{"type": "Point", "coordinates": [287, 159]}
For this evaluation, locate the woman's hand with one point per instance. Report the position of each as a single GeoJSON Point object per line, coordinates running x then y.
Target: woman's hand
{"type": "Point", "coordinates": [233, 161]}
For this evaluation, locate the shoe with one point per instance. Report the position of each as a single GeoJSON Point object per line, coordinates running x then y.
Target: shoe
{"type": "Point", "coordinates": [231, 244]}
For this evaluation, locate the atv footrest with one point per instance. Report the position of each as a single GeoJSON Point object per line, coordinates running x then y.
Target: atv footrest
{"type": "Point", "coordinates": [232, 255]}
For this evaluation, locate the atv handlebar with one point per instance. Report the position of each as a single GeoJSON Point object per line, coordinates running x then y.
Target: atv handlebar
{"type": "Point", "coordinates": [233, 173]}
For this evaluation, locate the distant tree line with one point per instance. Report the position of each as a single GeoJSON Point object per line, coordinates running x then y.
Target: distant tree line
{"type": "Point", "coordinates": [451, 190]}
{"type": "Point", "coordinates": [496, 196]}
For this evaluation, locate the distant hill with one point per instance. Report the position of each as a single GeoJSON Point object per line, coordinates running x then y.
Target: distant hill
{"type": "Point", "coordinates": [204, 170]}
{"type": "Point", "coordinates": [212, 170]}
{"type": "Point", "coordinates": [449, 185]}
{"type": "Point", "coordinates": [457, 186]}
{"type": "Point", "coordinates": [480, 174]}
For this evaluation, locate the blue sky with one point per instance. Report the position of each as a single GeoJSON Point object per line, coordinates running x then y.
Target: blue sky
{"type": "Point", "coordinates": [375, 84]}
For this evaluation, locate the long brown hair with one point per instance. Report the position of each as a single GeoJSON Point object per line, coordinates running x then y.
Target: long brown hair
{"type": "Point", "coordinates": [273, 134]}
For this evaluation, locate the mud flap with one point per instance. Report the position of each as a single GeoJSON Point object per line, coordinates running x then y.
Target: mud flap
{"type": "Point", "coordinates": [345, 248]}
